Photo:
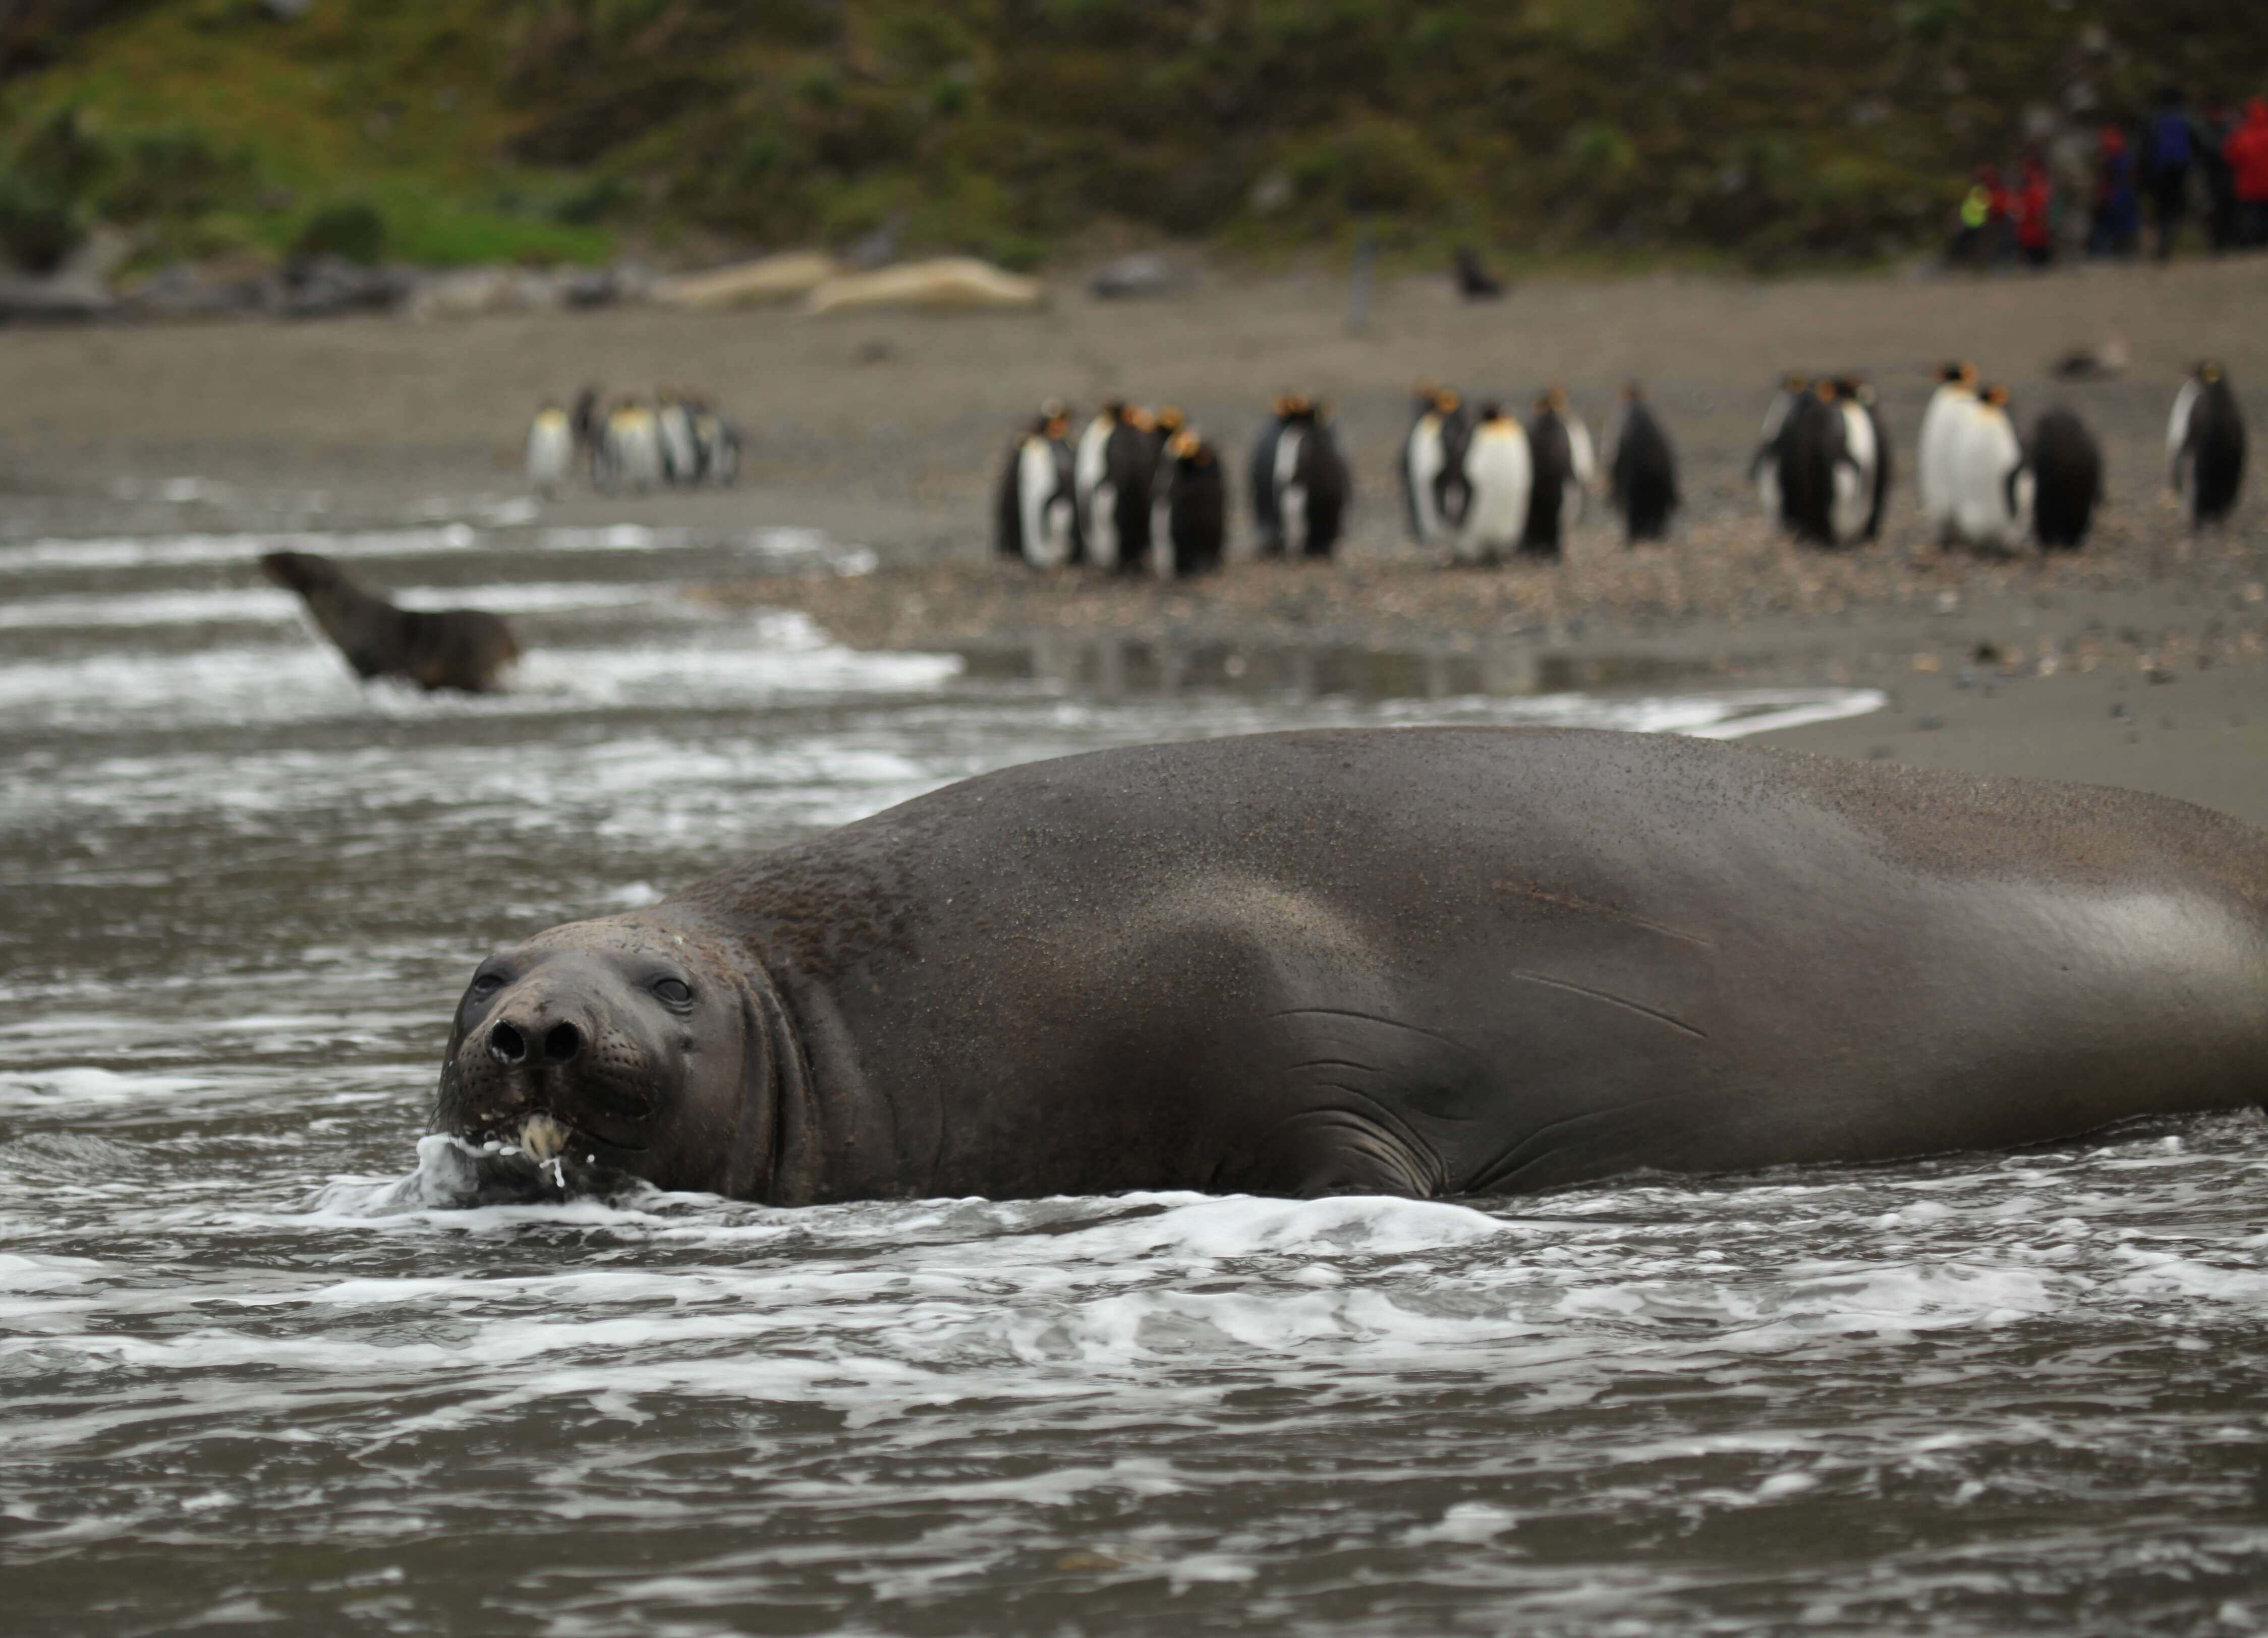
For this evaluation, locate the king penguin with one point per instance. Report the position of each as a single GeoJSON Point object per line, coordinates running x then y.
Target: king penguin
{"type": "Point", "coordinates": [1942, 425]}
{"type": "Point", "coordinates": [1643, 471]}
{"type": "Point", "coordinates": [1764, 468]}
{"type": "Point", "coordinates": [1992, 488]}
{"type": "Point", "coordinates": [629, 448]}
{"type": "Point", "coordinates": [1194, 504]}
{"type": "Point", "coordinates": [1862, 480]}
{"type": "Point", "coordinates": [1432, 466]}
{"type": "Point", "coordinates": [1036, 518]}
{"type": "Point", "coordinates": [1807, 459]}
{"type": "Point", "coordinates": [680, 445]}
{"type": "Point", "coordinates": [1267, 526]}
{"type": "Point", "coordinates": [1309, 482]}
{"type": "Point", "coordinates": [2067, 479]}
{"type": "Point", "coordinates": [2205, 445]}
{"type": "Point", "coordinates": [1500, 473]}
{"type": "Point", "coordinates": [550, 450]}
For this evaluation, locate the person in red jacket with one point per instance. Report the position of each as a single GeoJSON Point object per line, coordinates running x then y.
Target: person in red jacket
{"type": "Point", "coordinates": [2247, 153]}
{"type": "Point", "coordinates": [2035, 195]}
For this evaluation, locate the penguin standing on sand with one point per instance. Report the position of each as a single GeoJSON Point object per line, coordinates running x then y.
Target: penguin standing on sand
{"type": "Point", "coordinates": [1642, 470]}
{"type": "Point", "coordinates": [1089, 462]}
{"type": "Point", "coordinates": [1862, 482]}
{"type": "Point", "coordinates": [586, 423]}
{"type": "Point", "coordinates": [1036, 517]}
{"type": "Point", "coordinates": [550, 450]}
{"type": "Point", "coordinates": [2205, 445]}
{"type": "Point", "coordinates": [1113, 471]}
{"type": "Point", "coordinates": [629, 454]}
{"type": "Point", "coordinates": [1771, 448]}
{"type": "Point", "coordinates": [1308, 482]}
{"type": "Point", "coordinates": [1992, 487]}
{"type": "Point", "coordinates": [720, 444]}
{"type": "Point", "coordinates": [1432, 466]}
{"type": "Point", "coordinates": [1806, 458]}
{"type": "Point", "coordinates": [1551, 479]}
{"type": "Point", "coordinates": [680, 447]}
{"type": "Point", "coordinates": [1193, 501]}
{"type": "Point", "coordinates": [1501, 472]}
{"type": "Point", "coordinates": [1941, 426]}
{"type": "Point", "coordinates": [2067, 479]}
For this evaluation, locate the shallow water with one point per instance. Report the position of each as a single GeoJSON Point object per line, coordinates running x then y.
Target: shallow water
{"type": "Point", "coordinates": [251, 1375]}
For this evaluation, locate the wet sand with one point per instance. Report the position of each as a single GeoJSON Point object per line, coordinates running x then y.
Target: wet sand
{"type": "Point", "coordinates": [2142, 662]}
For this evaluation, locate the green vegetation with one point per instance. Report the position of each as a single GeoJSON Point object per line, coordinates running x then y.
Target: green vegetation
{"type": "Point", "coordinates": [1772, 130]}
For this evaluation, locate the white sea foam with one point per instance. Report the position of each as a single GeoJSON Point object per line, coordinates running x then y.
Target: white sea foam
{"type": "Point", "coordinates": [769, 657]}
{"type": "Point", "coordinates": [180, 551]}
{"type": "Point", "coordinates": [261, 604]}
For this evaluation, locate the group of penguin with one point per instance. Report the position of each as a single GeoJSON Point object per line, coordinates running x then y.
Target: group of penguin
{"type": "Point", "coordinates": [1484, 486]}
{"type": "Point", "coordinates": [1143, 492]}
{"type": "Point", "coordinates": [1138, 491]}
{"type": "Point", "coordinates": [1823, 467]}
{"type": "Point", "coordinates": [677, 438]}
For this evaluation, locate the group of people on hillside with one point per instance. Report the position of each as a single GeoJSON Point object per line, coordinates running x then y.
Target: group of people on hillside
{"type": "Point", "coordinates": [2161, 167]}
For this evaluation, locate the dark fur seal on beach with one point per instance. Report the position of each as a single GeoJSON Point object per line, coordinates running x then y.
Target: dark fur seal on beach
{"type": "Point", "coordinates": [463, 649]}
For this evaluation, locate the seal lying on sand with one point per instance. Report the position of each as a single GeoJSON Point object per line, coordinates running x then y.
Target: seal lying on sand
{"type": "Point", "coordinates": [1422, 961]}
{"type": "Point", "coordinates": [459, 648]}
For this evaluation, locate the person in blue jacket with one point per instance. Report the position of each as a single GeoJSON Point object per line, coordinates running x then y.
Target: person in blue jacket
{"type": "Point", "coordinates": [2170, 145]}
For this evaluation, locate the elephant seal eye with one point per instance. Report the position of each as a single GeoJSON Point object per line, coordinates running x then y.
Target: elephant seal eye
{"type": "Point", "coordinates": [675, 991]}
{"type": "Point", "coordinates": [485, 985]}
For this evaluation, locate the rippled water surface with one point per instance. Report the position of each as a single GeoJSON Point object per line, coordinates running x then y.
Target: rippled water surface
{"type": "Point", "coordinates": [249, 1379]}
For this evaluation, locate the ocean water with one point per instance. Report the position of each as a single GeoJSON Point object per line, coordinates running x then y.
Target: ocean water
{"type": "Point", "coordinates": [259, 1372]}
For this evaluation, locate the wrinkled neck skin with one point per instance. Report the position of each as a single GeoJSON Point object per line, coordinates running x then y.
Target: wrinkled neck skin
{"type": "Point", "coordinates": [722, 1100]}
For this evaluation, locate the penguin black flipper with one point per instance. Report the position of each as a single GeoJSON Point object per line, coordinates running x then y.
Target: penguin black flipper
{"type": "Point", "coordinates": [1008, 511]}
{"type": "Point", "coordinates": [1553, 455]}
{"type": "Point", "coordinates": [1881, 469]}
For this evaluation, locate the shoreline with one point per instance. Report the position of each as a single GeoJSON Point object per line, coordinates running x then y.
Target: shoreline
{"type": "Point", "coordinates": [886, 432]}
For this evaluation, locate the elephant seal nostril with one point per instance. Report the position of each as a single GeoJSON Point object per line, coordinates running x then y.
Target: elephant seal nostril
{"type": "Point", "coordinates": [563, 1041]}
{"type": "Point", "coordinates": [507, 1045]}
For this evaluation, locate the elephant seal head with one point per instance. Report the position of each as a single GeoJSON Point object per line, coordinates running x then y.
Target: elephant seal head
{"type": "Point", "coordinates": [641, 1045]}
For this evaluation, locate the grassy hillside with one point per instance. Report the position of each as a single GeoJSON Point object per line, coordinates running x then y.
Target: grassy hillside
{"type": "Point", "coordinates": [1775, 130]}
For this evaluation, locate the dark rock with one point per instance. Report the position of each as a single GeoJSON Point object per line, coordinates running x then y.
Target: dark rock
{"type": "Point", "coordinates": [321, 286]}
{"type": "Point", "coordinates": [1144, 273]}
{"type": "Point", "coordinates": [27, 300]}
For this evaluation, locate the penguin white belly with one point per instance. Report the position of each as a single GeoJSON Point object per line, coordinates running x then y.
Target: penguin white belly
{"type": "Point", "coordinates": [1767, 468]}
{"type": "Point", "coordinates": [1102, 525]}
{"type": "Point", "coordinates": [1501, 471]}
{"type": "Point", "coordinates": [1291, 494]}
{"type": "Point", "coordinates": [1940, 427]}
{"type": "Point", "coordinates": [1583, 463]}
{"type": "Point", "coordinates": [550, 452]}
{"type": "Point", "coordinates": [1047, 542]}
{"type": "Point", "coordinates": [1424, 460]}
{"type": "Point", "coordinates": [1984, 512]}
{"type": "Point", "coordinates": [2180, 465]}
{"type": "Point", "coordinates": [720, 448]}
{"type": "Point", "coordinates": [681, 449]}
{"type": "Point", "coordinates": [637, 448]}
{"type": "Point", "coordinates": [1854, 478]}
{"type": "Point", "coordinates": [1089, 465]}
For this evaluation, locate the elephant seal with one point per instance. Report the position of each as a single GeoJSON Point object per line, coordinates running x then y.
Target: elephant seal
{"type": "Point", "coordinates": [1418, 961]}
{"type": "Point", "coordinates": [464, 649]}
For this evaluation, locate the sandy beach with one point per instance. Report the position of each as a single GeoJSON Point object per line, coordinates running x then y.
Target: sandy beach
{"type": "Point", "coordinates": [2142, 661]}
